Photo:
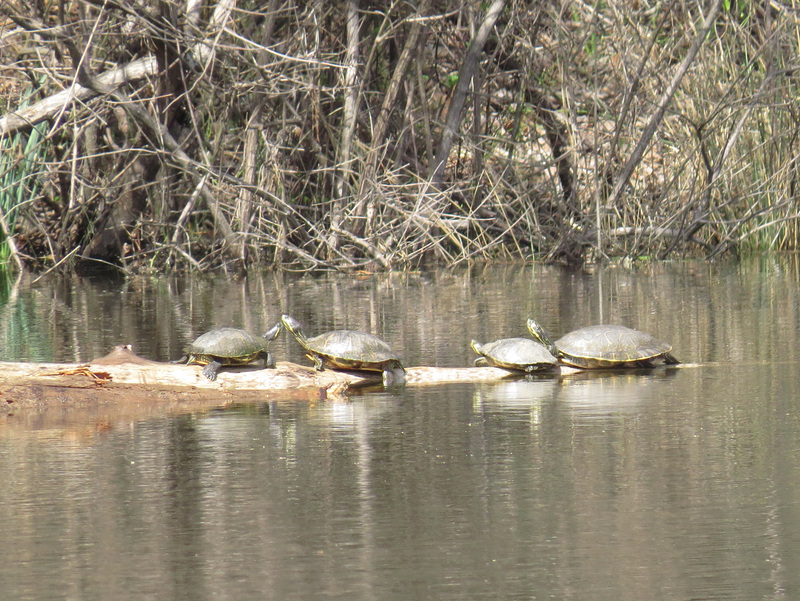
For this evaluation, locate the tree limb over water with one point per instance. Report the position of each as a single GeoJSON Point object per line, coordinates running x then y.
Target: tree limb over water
{"type": "Point", "coordinates": [53, 106]}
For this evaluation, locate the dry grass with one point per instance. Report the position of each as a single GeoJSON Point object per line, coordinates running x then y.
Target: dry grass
{"type": "Point", "coordinates": [278, 135]}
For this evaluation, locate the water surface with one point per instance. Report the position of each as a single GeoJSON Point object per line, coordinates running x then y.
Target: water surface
{"type": "Point", "coordinates": [665, 485]}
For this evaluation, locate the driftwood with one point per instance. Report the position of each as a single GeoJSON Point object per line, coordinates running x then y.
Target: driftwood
{"type": "Point", "coordinates": [78, 401]}
{"type": "Point", "coordinates": [123, 387]}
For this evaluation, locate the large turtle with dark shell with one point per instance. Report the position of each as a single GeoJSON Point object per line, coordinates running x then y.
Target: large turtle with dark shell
{"type": "Point", "coordinates": [349, 350]}
{"type": "Point", "coordinates": [605, 346]}
{"type": "Point", "coordinates": [519, 354]}
{"type": "Point", "coordinates": [229, 346]}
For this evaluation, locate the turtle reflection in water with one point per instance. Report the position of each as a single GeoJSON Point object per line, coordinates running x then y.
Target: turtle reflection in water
{"type": "Point", "coordinates": [229, 346]}
{"type": "Point", "coordinates": [605, 346]}
{"type": "Point", "coordinates": [519, 354]}
{"type": "Point", "coordinates": [349, 350]}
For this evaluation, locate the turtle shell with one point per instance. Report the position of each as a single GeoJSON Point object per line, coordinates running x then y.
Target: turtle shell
{"type": "Point", "coordinates": [349, 349]}
{"type": "Point", "coordinates": [612, 346]}
{"type": "Point", "coordinates": [229, 346]}
{"type": "Point", "coordinates": [521, 354]}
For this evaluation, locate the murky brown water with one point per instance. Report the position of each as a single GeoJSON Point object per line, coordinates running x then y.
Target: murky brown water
{"type": "Point", "coordinates": [668, 485]}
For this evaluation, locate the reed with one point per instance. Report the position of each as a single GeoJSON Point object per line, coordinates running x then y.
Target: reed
{"type": "Point", "coordinates": [21, 160]}
{"type": "Point", "coordinates": [325, 137]}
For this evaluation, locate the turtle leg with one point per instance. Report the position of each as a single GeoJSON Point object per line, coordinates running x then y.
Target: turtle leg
{"type": "Point", "coordinates": [481, 362]}
{"type": "Point", "coordinates": [319, 364]}
{"type": "Point", "coordinates": [269, 360]}
{"type": "Point", "coordinates": [184, 359]}
{"type": "Point", "coordinates": [210, 370]}
{"type": "Point", "coordinates": [670, 360]}
{"type": "Point", "coordinates": [394, 376]}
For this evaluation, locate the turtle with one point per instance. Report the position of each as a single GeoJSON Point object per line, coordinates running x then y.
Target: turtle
{"type": "Point", "coordinates": [605, 346]}
{"type": "Point", "coordinates": [520, 354]}
{"type": "Point", "coordinates": [229, 346]}
{"type": "Point", "coordinates": [349, 350]}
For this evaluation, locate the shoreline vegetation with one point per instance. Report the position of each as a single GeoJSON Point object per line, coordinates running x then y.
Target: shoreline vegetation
{"type": "Point", "coordinates": [150, 136]}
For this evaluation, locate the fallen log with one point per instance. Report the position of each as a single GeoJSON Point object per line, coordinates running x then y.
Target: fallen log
{"type": "Point", "coordinates": [123, 379]}
{"type": "Point", "coordinates": [79, 400]}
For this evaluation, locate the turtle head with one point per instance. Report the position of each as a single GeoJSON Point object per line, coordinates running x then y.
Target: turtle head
{"type": "Point", "coordinates": [294, 326]}
{"type": "Point", "coordinates": [475, 346]}
{"type": "Point", "coordinates": [540, 335]}
{"type": "Point", "coordinates": [273, 332]}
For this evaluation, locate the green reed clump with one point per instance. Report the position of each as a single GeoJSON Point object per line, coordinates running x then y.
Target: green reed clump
{"type": "Point", "coordinates": [21, 157]}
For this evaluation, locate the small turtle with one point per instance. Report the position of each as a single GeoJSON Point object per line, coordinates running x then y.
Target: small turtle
{"type": "Point", "coordinates": [348, 349]}
{"type": "Point", "coordinates": [520, 354]}
{"type": "Point", "coordinates": [605, 346]}
{"type": "Point", "coordinates": [229, 346]}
